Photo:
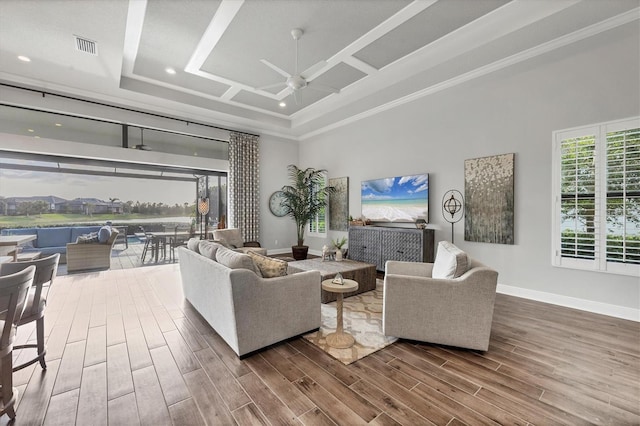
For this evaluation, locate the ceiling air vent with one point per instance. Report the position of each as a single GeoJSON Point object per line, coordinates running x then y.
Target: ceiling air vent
{"type": "Point", "coordinates": [85, 45]}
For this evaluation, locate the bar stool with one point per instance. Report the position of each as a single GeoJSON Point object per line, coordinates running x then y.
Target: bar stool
{"type": "Point", "coordinates": [46, 269]}
{"type": "Point", "coordinates": [14, 290]}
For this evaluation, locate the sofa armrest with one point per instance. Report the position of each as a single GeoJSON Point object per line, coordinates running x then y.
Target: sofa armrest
{"type": "Point", "coordinates": [268, 310]}
{"type": "Point", "coordinates": [416, 269]}
{"type": "Point", "coordinates": [82, 256]}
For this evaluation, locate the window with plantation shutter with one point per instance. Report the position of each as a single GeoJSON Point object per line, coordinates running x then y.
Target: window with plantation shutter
{"type": "Point", "coordinates": [318, 225]}
{"type": "Point", "coordinates": [596, 217]}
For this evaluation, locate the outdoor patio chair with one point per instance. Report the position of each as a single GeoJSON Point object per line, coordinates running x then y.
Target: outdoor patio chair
{"type": "Point", "coordinates": [46, 269]}
{"type": "Point", "coordinates": [179, 239]}
{"type": "Point", "coordinates": [14, 290]}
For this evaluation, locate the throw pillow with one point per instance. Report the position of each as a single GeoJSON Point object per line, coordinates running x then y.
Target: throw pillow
{"type": "Point", "coordinates": [268, 266]}
{"type": "Point", "coordinates": [451, 262]}
{"type": "Point", "coordinates": [208, 249]}
{"type": "Point", "coordinates": [87, 238]}
{"type": "Point", "coordinates": [193, 244]}
{"type": "Point", "coordinates": [103, 234]}
{"type": "Point", "coordinates": [234, 260]}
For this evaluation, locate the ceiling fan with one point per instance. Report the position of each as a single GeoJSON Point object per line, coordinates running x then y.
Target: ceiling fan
{"type": "Point", "coordinates": [298, 81]}
{"type": "Point", "coordinates": [141, 146]}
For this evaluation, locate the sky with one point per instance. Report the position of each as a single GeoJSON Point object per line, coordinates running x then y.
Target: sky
{"type": "Point", "coordinates": [19, 183]}
{"type": "Point", "coordinates": [405, 187]}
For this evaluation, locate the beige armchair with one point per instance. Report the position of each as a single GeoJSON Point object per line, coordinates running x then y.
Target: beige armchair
{"type": "Point", "coordinates": [232, 238]}
{"type": "Point", "coordinates": [455, 312]}
{"type": "Point", "coordinates": [84, 256]}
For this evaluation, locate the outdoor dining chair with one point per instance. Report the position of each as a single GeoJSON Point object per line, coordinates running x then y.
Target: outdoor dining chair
{"type": "Point", "coordinates": [14, 290]}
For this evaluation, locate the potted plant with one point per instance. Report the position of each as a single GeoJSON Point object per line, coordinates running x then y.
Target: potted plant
{"type": "Point", "coordinates": [303, 200]}
{"type": "Point", "coordinates": [338, 243]}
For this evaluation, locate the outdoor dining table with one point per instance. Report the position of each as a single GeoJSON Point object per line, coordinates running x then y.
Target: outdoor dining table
{"type": "Point", "coordinates": [161, 237]}
{"type": "Point", "coordinates": [10, 243]}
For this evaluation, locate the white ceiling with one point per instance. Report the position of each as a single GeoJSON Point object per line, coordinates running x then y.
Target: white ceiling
{"type": "Point", "coordinates": [376, 53]}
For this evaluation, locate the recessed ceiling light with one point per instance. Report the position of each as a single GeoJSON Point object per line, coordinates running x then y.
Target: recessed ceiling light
{"type": "Point", "coordinates": [282, 104]}
{"type": "Point", "coordinates": [24, 58]}
{"type": "Point", "coordinates": [30, 130]}
{"type": "Point", "coordinates": [170, 70]}
{"type": "Point", "coordinates": [58, 125]}
{"type": "Point", "coordinates": [37, 137]}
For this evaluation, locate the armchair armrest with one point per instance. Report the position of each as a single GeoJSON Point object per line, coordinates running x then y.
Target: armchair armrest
{"type": "Point", "coordinates": [415, 269]}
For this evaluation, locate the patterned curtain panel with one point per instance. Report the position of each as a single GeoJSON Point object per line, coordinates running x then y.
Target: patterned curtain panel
{"type": "Point", "coordinates": [244, 183]}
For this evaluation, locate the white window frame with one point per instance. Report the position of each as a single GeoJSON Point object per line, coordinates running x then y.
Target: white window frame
{"type": "Point", "coordinates": [600, 263]}
{"type": "Point", "coordinates": [314, 223]}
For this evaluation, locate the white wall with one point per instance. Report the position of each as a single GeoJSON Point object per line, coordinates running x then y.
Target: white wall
{"type": "Point", "coordinates": [277, 234]}
{"type": "Point", "coordinates": [512, 110]}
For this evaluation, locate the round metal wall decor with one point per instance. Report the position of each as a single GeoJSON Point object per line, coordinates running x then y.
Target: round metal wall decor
{"type": "Point", "coordinates": [452, 207]}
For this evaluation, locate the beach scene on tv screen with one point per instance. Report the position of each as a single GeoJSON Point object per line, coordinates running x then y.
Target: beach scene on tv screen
{"type": "Point", "coordinates": [396, 199]}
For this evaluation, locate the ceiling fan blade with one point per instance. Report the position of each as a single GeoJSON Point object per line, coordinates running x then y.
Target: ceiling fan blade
{"type": "Point", "coordinates": [309, 72]}
{"type": "Point", "coordinates": [275, 68]}
{"type": "Point", "coordinates": [297, 97]}
{"type": "Point", "coordinates": [322, 87]}
{"type": "Point", "coordinates": [272, 86]}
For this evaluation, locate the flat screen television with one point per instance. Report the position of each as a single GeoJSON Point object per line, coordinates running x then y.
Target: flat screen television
{"type": "Point", "coordinates": [396, 199]}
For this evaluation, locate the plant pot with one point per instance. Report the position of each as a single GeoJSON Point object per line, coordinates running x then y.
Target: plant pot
{"type": "Point", "coordinates": [338, 255]}
{"type": "Point", "coordinates": [299, 252]}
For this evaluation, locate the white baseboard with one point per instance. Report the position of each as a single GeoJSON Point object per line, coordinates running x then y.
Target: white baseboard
{"type": "Point", "coordinates": [279, 251]}
{"type": "Point", "coordinates": [572, 302]}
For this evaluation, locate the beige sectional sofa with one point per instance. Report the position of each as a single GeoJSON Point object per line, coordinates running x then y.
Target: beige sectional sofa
{"type": "Point", "coordinates": [249, 312]}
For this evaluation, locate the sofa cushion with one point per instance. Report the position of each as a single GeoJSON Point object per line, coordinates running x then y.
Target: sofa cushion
{"type": "Point", "coordinates": [104, 233]}
{"type": "Point", "coordinates": [268, 266]}
{"type": "Point", "coordinates": [451, 262]}
{"type": "Point", "coordinates": [208, 249]}
{"type": "Point", "coordinates": [193, 244]}
{"type": "Point", "coordinates": [234, 260]}
{"type": "Point", "coordinates": [53, 237]}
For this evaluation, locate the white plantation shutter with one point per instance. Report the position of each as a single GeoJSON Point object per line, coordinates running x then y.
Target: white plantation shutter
{"type": "Point", "coordinates": [578, 198]}
{"type": "Point", "coordinates": [596, 219]}
{"type": "Point", "coordinates": [623, 196]}
{"type": "Point", "coordinates": [318, 225]}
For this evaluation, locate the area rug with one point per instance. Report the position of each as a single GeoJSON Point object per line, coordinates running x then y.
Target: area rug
{"type": "Point", "coordinates": [362, 318]}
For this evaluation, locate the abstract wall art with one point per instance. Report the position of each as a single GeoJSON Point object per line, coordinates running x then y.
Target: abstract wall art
{"type": "Point", "coordinates": [488, 192]}
{"type": "Point", "coordinates": [339, 204]}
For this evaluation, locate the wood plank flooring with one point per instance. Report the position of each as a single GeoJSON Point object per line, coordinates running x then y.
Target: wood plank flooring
{"type": "Point", "coordinates": [125, 349]}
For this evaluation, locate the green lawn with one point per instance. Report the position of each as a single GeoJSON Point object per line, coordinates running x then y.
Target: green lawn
{"type": "Point", "coordinates": [51, 219]}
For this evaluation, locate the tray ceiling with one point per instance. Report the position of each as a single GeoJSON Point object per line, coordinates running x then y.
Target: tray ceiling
{"type": "Point", "coordinates": [373, 52]}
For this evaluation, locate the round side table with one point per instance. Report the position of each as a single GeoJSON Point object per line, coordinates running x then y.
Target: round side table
{"type": "Point", "coordinates": [339, 339]}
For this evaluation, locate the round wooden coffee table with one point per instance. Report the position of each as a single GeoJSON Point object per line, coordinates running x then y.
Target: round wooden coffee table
{"type": "Point", "coordinates": [339, 339]}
